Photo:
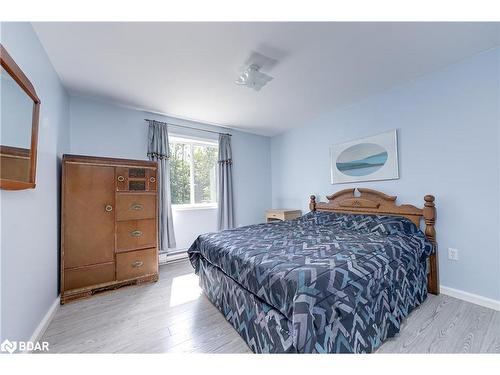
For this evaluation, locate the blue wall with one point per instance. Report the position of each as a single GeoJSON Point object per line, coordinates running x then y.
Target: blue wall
{"type": "Point", "coordinates": [104, 129]}
{"type": "Point", "coordinates": [448, 125]}
{"type": "Point", "coordinates": [30, 218]}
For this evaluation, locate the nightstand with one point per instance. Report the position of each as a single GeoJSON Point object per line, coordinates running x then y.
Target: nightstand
{"type": "Point", "coordinates": [282, 214]}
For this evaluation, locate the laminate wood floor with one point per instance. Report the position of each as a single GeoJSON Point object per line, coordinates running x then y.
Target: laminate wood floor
{"type": "Point", "coordinates": [173, 316]}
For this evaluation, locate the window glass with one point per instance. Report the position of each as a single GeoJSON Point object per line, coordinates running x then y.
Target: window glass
{"type": "Point", "coordinates": [193, 171]}
{"type": "Point", "coordinates": [205, 168]}
{"type": "Point", "coordinates": [180, 165]}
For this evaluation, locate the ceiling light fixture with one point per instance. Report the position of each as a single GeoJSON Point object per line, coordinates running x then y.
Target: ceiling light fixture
{"type": "Point", "coordinates": [253, 78]}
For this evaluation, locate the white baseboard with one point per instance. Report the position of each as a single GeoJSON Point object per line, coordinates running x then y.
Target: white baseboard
{"type": "Point", "coordinates": [472, 298]}
{"type": "Point", "coordinates": [44, 323]}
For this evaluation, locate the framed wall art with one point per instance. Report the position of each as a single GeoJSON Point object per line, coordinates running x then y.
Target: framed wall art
{"type": "Point", "coordinates": [365, 159]}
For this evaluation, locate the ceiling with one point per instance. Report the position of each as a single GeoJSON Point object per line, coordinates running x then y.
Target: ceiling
{"type": "Point", "coordinates": [188, 70]}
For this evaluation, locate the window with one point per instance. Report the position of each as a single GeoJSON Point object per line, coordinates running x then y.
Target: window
{"type": "Point", "coordinates": [193, 172]}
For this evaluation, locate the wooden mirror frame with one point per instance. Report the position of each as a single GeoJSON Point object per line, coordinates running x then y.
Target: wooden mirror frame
{"type": "Point", "coordinates": [17, 74]}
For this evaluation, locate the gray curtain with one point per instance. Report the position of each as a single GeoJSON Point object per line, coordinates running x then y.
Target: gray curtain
{"type": "Point", "coordinates": [225, 210]}
{"type": "Point", "coordinates": [158, 151]}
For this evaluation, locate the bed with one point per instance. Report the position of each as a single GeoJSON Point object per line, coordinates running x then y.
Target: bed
{"type": "Point", "coordinates": [339, 279]}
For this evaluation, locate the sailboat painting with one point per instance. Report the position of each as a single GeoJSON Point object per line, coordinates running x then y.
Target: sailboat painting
{"type": "Point", "coordinates": [367, 159]}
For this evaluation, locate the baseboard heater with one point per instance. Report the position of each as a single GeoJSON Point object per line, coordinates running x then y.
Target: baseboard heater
{"type": "Point", "coordinates": [165, 258]}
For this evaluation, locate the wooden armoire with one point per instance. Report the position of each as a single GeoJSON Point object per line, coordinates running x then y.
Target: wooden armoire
{"type": "Point", "coordinates": [109, 224]}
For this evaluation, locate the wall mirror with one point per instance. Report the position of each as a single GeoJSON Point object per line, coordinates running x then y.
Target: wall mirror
{"type": "Point", "coordinates": [19, 115]}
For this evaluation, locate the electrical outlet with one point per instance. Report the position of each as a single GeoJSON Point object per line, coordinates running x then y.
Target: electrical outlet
{"type": "Point", "coordinates": [452, 253]}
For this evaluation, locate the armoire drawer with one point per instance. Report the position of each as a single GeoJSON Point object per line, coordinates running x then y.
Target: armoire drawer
{"type": "Point", "coordinates": [136, 263]}
{"type": "Point", "coordinates": [135, 179]}
{"type": "Point", "coordinates": [135, 234]}
{"type": "Point", "coordinates": [134, 206]}
{"type": "Point", "coordinates": [87, 276]}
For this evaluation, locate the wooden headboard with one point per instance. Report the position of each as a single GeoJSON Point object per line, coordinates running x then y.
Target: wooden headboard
{"type": "Point", "coordinates": [372, 202]}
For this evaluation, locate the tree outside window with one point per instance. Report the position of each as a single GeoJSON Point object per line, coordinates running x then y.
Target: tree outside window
{"type": "Point", "coordinates": [193, 172]}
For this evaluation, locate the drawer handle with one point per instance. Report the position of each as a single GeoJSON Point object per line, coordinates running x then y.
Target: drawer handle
{"type": "Point", "coordinates": [136, 206]}
{"type": "Point", "coordinates": [121, 178]}
{"type": "Point", "coordinates": [152, 179]}
{"type": "Point", "coordinates": [136, 233]}
{"type": "Point", "coordinates": [137, 264]}
{"type": "Point", "coordinates": [108, 208]}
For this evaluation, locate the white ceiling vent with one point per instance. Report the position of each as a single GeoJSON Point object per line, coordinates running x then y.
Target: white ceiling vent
{"type": "Point", "coordinates": [253, 78]}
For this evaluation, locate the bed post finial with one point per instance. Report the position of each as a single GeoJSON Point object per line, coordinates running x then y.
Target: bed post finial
{"type": "Point", "coordinates": [429, 213]}
{"type": "Point", "coordinates": [430, 217]}
{"type": "Point", "coordinates": [312, 203]}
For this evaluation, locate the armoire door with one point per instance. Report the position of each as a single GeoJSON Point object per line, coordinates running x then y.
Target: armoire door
{"type": "Point", "coordinates": [89, 213]}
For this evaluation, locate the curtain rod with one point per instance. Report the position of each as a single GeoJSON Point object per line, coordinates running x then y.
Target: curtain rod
{"type": "Point", "coordinates": [188, 127]}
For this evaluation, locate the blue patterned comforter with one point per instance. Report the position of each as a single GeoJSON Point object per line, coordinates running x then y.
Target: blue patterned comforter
{"type": "Point", "coordinates": [323, 268]}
